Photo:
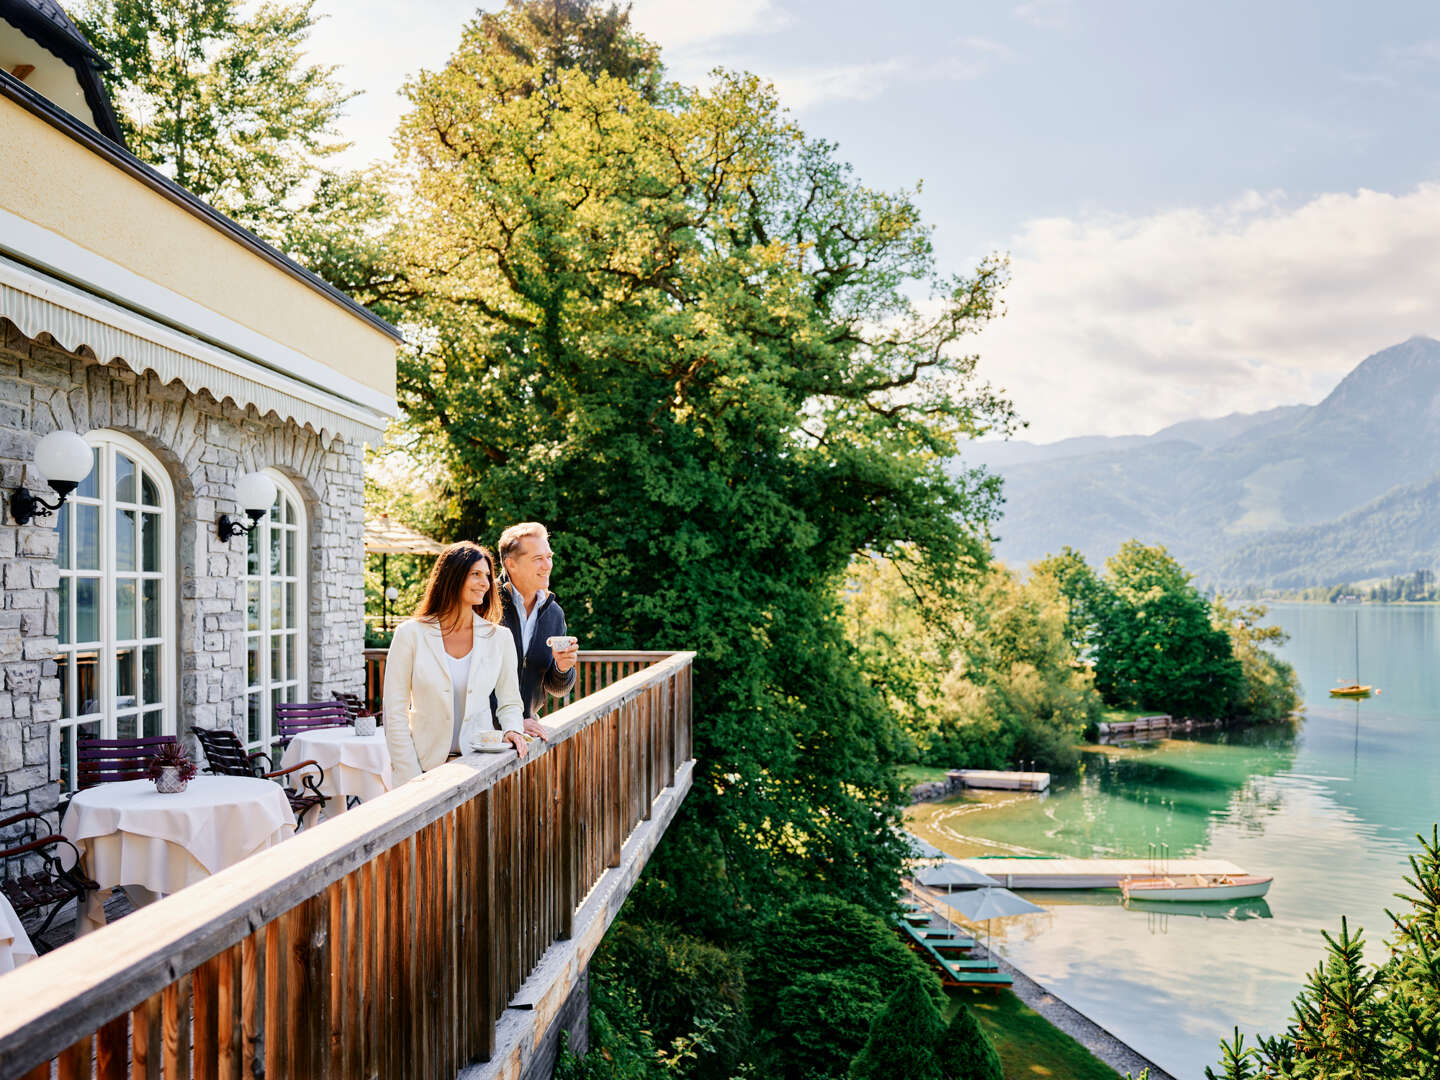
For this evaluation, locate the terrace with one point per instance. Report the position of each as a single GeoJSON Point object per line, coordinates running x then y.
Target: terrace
{"type": "Point", "coordinates": [442, 929]}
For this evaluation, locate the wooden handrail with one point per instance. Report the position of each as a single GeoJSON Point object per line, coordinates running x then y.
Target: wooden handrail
{"type": "Point", "coordinates": [385, 942]}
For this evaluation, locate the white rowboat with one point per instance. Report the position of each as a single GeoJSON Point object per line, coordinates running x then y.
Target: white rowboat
{"type": "Point", "coordinates": [1197, 887]}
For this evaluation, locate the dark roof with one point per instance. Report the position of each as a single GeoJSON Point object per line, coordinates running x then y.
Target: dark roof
{"type": "Point", "coordinates": [45, 23]}
{"type": "Point", "coordinates": [14, 90]}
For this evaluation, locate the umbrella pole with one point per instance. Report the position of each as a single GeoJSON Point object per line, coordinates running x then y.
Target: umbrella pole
{"type": "Point", "coordinates": [385, 591]}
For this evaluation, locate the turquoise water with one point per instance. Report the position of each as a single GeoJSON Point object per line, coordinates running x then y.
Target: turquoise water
{"type": "Point", "coordinates": [1330, 808]}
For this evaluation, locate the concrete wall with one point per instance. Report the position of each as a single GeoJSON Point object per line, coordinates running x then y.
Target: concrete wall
{"type": "Point", "coordinates": [205, 445]}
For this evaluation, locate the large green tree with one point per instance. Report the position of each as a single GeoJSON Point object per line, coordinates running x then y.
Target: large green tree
{"type": "Point", "coordinates": [218, 96]}
{"type": "Point", "coordinates": [668, 324]}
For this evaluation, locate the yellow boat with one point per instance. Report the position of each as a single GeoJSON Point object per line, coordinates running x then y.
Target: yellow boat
{"type": "Point", "coordinates": [1352, 691]}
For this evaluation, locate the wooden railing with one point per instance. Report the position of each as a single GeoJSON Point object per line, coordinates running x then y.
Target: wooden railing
{"type": "Point", "coordinates": [598, 668]}
{"type": "Point", "coordinates": [385, 943]}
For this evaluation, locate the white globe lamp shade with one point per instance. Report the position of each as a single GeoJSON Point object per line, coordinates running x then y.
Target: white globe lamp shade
{"type": "Point", "coordinates": [255, 492]}
{"type": "Point", "coordinates": [392, 594]}
{"type": "Point", "coordinates": [63, 458]}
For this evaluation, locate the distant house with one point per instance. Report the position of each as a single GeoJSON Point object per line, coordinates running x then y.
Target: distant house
{"type": "Point", "coordinates": [187, 354]}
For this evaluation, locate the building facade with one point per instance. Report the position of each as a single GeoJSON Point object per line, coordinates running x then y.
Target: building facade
{"type": "Point", "coordinates": [187, 354]}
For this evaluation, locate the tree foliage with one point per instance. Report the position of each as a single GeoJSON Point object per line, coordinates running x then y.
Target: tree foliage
{"type": "Point", "coordinates": [903, 1038]}
{"type": "Point", "coordinates": [965, 1052]}
{"type": "Point", "coordinates": [666, 323]}
{"type": "Point", "coordinates": [1270, 689]}
{"type": "Point", "coordinates": [218, 96]}
{"type": "Point", "coordinates": [984, 678]}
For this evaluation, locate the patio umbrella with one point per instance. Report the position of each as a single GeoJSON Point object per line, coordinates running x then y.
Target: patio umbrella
{"type": "Point", "coordinates": [384, 537]}
{"type": "Point", "coordinates": [915, 848]}
{"type": "Point", "coordinates": [953, 875]}
{"type": "Point", "coordinates": [989, 903]}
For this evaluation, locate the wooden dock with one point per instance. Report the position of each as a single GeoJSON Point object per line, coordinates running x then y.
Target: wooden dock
{"type": "Point", "coordinates": [1091, 873]}
{"type": "Point", "coordinates": [1000, 779]}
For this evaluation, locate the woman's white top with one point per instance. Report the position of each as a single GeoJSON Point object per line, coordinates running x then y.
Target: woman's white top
{"type": "Point", "coordinates": [459, 680]}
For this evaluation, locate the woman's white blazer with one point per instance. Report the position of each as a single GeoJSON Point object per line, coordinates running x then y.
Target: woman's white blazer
{"type": "Point", "coordinates": [419, 708]}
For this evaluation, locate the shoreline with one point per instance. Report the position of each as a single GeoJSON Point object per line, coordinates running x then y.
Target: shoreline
{"type": "Point", "coordinates": [1103, 1043]}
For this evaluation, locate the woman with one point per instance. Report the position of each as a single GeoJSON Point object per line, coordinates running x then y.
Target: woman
{"type": "Point", "coordinates": [444, 664]}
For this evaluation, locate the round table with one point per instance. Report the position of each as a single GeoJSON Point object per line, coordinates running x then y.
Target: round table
{"type": "Point", "coordinates": [129, 834]}
{"type": "Point", "coordinates": [355, 765]}
{"type": "Point", "coordinates": [15, 946]}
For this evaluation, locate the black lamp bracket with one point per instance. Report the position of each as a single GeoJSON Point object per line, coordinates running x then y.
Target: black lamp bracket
{"type": "Point", "coordinates": [25, 505]}
{"type": "Point", "coordinates": [229, 527]}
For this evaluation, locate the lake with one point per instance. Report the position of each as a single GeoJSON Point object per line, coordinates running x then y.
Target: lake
{"type": "Point", "coordinates": [1329, 807]}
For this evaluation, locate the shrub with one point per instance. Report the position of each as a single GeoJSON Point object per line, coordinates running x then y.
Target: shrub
{"type": "Point", "coordinates": [965, 1051]}
{"type": "Point", "coordinates": [903, 1037]}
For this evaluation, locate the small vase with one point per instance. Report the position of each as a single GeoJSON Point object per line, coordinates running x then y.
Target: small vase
{"type": "Point", "coordinates": [170, 782]}
{"type": "Point", "coordinates": [364, 725]}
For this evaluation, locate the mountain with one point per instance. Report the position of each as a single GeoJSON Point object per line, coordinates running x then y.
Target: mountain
{"type": "Point", "coordinates": [1217, 492]}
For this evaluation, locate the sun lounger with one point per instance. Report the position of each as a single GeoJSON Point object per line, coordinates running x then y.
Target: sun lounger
{"type": "Point", "coordinates": [993, 979]}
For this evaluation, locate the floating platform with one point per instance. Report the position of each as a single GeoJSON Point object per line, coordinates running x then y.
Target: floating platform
{"type": "Point", "coordinates": [1092, 873]}
{"type": "Point", "coordinates": [1001, 780]}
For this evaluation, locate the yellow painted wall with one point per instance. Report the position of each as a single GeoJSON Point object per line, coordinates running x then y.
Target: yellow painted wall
{"type": "Point", "coordinates": [49, 179]}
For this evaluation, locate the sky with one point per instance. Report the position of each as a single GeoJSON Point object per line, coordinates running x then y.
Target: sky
{"type": "Point", "coordinates": [1209, 208]}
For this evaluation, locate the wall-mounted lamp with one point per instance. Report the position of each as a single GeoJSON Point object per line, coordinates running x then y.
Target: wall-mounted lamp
{"type": "Point", "coordinates": [64, 459]}
{"type": "Point", "coordinates": [255, 492]}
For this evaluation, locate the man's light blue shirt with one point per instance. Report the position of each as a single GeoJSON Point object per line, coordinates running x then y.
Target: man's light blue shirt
{"type": "Point", "coordinates": [527, 619]}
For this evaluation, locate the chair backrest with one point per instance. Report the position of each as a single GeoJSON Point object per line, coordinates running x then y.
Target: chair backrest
{"type": "Point", "coordinates": [293, 717]}
{"type": "Point", "coordinates": [353, 705]}
{"type": "Point", "coordinates": [224, 753]}
{"type": "Point", "coordinates": [104, 761]}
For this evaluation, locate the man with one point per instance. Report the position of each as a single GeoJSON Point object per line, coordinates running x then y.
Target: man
{"type": "Point", "coordinates": [530, 611]}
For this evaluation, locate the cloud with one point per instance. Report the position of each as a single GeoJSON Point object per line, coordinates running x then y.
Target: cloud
{"type": "Point", "coordinates": [803, 88]}
{"type": "Point", "coordinates": [1044, 14]}
{"type": "Point", "coordinates": [683, 24]}
{"type": "Point", "coordinates": [1123, 324]}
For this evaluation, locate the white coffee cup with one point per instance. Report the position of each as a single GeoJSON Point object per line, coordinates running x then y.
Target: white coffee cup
{"type": "Point", "coordinates": [490, 740]}
{"type": "Point", "coordinates": [561, 642]}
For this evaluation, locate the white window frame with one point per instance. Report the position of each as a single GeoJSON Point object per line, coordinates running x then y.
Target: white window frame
{"type": "Point", "coordinates": [298, 681]}
{"type": "Point", "coordinates": [107, 443]}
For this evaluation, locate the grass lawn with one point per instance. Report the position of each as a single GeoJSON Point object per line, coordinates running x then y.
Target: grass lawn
{"type": "Point", "coordinates": [910, 775]}
{"type": "Point", "coordinates": [1028, 1044]}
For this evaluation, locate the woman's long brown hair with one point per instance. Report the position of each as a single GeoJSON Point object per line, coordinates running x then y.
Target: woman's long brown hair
{"type": "Point", "coordinates": [447, 583]}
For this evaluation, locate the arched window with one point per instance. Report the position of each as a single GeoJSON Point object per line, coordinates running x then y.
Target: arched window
{"type": "Point", "coordinates": [275, 612]}
{"type": "Point", "coordinates": [116, 622]}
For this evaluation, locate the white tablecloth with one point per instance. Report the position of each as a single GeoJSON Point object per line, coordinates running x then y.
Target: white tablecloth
{"type": "Point", "coordinates": [15, 947]}
{"type": "Point", "coordinates": [130, 834]}
{"type": "Point", "coordinates": [355, 765]}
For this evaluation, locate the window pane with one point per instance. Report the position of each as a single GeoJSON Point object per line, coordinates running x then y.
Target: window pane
{"type": "Point", "coordinates": [62, 527]}
{"type": "Point", "coordinates": [292, 616]}
{"type": "Point", "coordinates": [149, 493]}
{"type": "Point", "coordinates": [62, 669]}
{"type": "Point", "coordinates": [125, 678]}
{"type": "Point", "coordinates": [87, 538]}
{"type": "Point", "coordinates": [252, 605]}
{"type": "Point", "coordinates": [252, 547]}
{"type": "Point", "coordinates": [292, 650]}
{"type": "Point", "coordinates": [150, 542]}
{"type": "Point", "coordinates": [90, 487]}
{"type": "Point", "coordinates": [125, 610]}
{"type": "Point", "coordinates": [65, 586]}
{"type": "Point", "coordinates": [288, 509]}
{"type": "Point", "coordinates": [276, 612]}
{"type": "Point", "coordinates": [274, 550]}
{"type": "Point", "coordinates": [154, 722]}
{"type": "Point", "coordinates": [150, 674]}
{"type": "Point", "coordinates": [254, 717]}
{"type": "Point", "coordinates": [87, 686]}
{"type": "Point", "coordinates": [124, 539]}
{"type": "Point", "coordinates": [127, 727]}
{"type": "Point", "coordinates": [252, 652]}
{"type": "Point", "coordinates": [124, 479]}
{"type": "Point", "coordinates": [291, 569]}
{"type": "Point", "coordinates": [87, 609]}
{"type": "Point", "coordinates": [152, 608]}
{"type": "Point", "coordinates": [276, 671]}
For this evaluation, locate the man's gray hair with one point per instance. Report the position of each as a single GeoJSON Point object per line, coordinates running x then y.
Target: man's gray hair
{"type": "Point", "coordinates": [511, 537]}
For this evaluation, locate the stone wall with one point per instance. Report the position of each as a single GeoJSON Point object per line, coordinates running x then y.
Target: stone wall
{"type": "Point", "coordinates": [206, 445]}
